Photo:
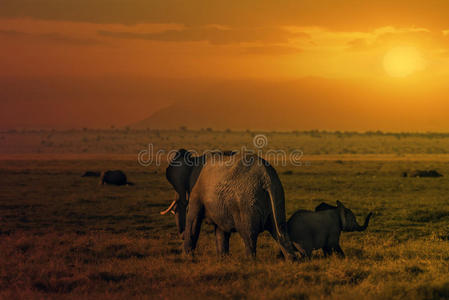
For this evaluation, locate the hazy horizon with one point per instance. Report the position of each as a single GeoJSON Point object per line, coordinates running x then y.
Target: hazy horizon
{"type": "Point", "coordinates": [257, 104]}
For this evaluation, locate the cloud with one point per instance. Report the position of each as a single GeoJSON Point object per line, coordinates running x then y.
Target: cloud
{"type": "Point", "coordinates": [50, 37]}
{"type": "Point", "coordinates": [338, 15]}
{"type": "Point", "coordinates": [358, 44]}
{"type": "Point", "coordinates": [390, 36]}
{"type": "Point", "coordinates": [271, 50]}
{"type": "Point", "coordinates": [215, 35]}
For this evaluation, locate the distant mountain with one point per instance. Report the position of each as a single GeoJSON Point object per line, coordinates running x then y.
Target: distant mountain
{"type": "Point", "coordinates": [310, 103]}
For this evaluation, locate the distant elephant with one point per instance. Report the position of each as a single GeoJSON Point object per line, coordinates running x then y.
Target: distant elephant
{"type": "Point", "coordinates": [91, 174]}
{"type": "Point", "coordinates": [235, 192]}
{"type": "Point", "coordinates": [115, 177]}
{"type": "Point", "coordinates": [321, 229]}
{"type": "Point", "coordinates": [424, 173]}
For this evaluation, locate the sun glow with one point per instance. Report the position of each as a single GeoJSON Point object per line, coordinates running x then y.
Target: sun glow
{"type": "Point", "coordinates": [403, 61]}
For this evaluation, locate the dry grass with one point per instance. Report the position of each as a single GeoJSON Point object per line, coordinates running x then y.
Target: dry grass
{"type": "Point", "coordinates": [121, 141]}
{"type": "Point", "coordinates": [62, 236]}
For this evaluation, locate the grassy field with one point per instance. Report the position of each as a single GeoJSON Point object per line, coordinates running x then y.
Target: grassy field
{"type": "Point", "coordinates": [123, 141]}
{"type": "Point", "coordinates": [63, 236]}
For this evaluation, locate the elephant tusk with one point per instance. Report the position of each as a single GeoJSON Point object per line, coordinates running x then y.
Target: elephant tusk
{"type": "Point", "coordinates": [174, 209]}
{"type": "Point", "coordinates": [169, 208]}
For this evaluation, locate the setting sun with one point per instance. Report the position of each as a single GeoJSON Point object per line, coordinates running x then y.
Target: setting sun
{"type": "Point", "coordinates": [402, 61]}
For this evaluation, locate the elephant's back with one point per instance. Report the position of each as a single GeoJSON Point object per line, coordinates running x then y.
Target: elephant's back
{"type": "Point", "coordinates": [298, 220]}
{"type": "Point", "coordinates": [240, 173]}
{"type": "Point", "coordinates": [234, 182]}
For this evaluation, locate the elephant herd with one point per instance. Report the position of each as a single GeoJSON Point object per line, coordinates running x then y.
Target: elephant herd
{"type": "Point", "coordinates": [243, 193]}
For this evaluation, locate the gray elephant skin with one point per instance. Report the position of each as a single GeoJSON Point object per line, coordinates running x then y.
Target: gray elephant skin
{"type": "Point", "coordinates": [321, 229]}
{"type": "Point", "coordinates": [233, 192]}
{"type": "Point", "coordinates": [114, 177]}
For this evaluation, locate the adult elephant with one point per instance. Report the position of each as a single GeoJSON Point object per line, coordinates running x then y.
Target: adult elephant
{"type": "Point", "coordinates": [239, 192]}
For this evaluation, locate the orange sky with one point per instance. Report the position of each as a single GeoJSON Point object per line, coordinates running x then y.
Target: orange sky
{"type": "Point", "coordinates": [102, 62]}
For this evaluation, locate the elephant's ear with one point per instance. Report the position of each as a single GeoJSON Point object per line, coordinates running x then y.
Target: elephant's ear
{"type": "Point", "coordinates": [341, 213]}
{"type": "Point", "coordinates": [179, 171]}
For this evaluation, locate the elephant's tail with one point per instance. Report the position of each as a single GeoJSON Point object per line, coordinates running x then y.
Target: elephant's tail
{"type": "Point", "coordinates": [275, 213]}
{"type": "Point", "coordinates": [273, 186]}
{"type": "Point", "coordinates": [276, 195]}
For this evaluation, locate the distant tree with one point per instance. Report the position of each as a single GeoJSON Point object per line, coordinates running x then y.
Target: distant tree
{"type": "Point", "coordinates": [315, 133]}
{"type": "Point", "coordinates": [379, 132]}
{"type": "Point", "coordinates": [183, 128]}
{"type": "Point", "coordinates": [228, 130]}
{"type": "Point", "coordinates": [208, 129]}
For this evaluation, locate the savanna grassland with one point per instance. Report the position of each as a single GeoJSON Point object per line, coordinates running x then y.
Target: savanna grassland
{"type": "Point", "coordinates": [63, 236]}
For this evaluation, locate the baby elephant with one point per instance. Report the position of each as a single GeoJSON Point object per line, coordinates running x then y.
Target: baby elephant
{"type": "Point", "coordinates": [321, 228]}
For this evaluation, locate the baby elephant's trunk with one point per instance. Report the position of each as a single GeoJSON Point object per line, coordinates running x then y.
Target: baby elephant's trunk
{"type": "Point", "coordinates": [365, 225]}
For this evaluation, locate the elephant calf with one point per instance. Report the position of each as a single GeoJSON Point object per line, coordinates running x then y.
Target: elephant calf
{"type": "Point", "coordinates": [309, 230]}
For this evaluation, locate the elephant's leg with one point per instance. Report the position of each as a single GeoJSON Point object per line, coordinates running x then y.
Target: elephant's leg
{"type": "Point", "coordinates": [304, 251]}
{"type": "Point", "coordinates": [248, 225]}
{"type": "Point", "coordinates": [339, 251]}
{"type": "Point", "coordinates": [327, 251]}
{"type": "Point", "coordinates": [222, 241]}
{"type": "Point", "coordinates": [250, 240]}
{"type": "Point", "coordinates": [194, 219]}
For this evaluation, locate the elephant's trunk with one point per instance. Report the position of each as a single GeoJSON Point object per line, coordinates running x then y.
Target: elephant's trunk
{"type": "Point", "coordinates": [365, 225]}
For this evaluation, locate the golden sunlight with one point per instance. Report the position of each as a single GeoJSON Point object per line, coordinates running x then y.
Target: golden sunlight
{"type": "Point", "coordinates": [403, 61]}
